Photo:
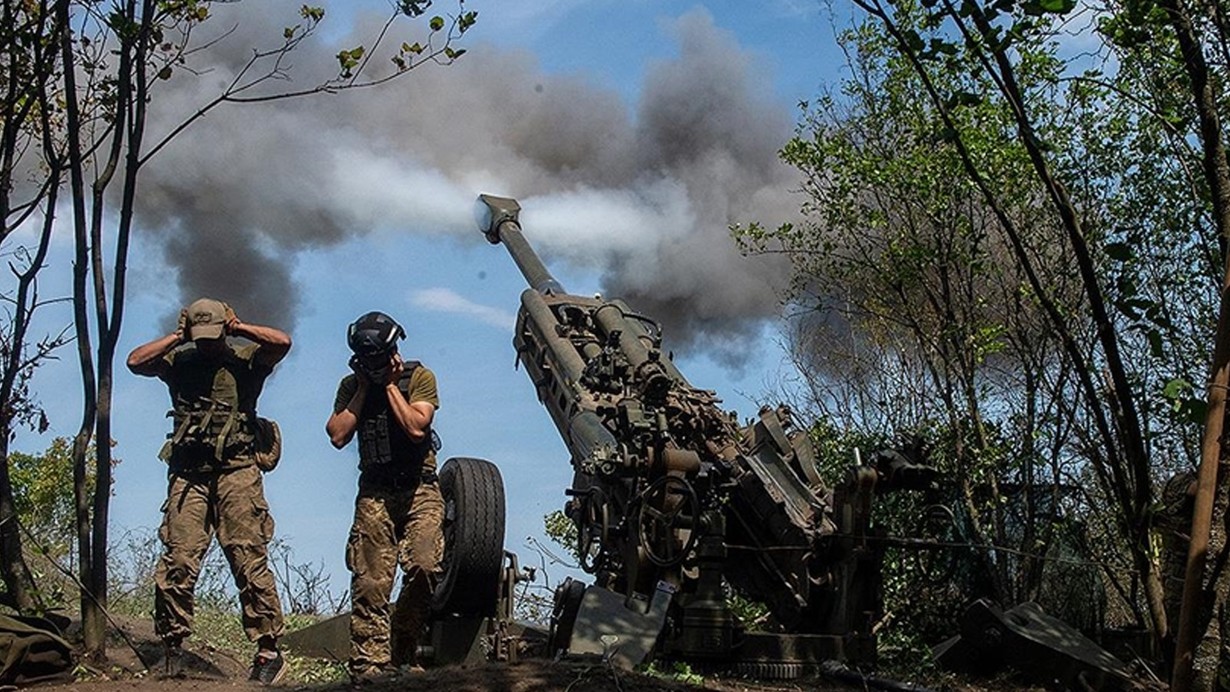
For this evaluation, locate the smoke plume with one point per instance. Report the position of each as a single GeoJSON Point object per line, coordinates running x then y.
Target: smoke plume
{"type": "Point", "coordinates": [645, 198]}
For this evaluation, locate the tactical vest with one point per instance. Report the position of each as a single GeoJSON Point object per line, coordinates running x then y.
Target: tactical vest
{"type": "Point", "coordinates": [209, 433]}
{"type": "Point", "coordinates": [214, 411]}
{"type": "Point", "coordinates": [386, 452]}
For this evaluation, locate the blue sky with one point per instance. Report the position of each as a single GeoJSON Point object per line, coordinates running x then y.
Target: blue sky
{"type": "Point", "coordinates": [356, 203]}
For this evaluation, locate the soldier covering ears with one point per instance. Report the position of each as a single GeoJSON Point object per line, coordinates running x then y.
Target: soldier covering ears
{"type": "Point", "coordinates": [389, 405]}
{"type": "Point", "coordinates": [215, 486]}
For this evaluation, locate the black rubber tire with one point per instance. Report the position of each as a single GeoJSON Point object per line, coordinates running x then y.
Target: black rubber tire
{"type": "Point", "coordinates": [473, 537]}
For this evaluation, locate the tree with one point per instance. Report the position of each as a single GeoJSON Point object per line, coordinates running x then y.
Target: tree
{"type": "Point", "coordinates": [900, 254]}
{"type": "Point", "coordinates": [1182, 34]}
{"type": "Point", "coordinates": [113, 57]}
{"type": "Point", "coordinates": [1031, 240]}
{"type": "Point", "coordinates": [31, 169]}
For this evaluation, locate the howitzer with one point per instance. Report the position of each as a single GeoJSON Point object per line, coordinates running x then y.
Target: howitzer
{"type": "Point", "coordinates": [671, 495]}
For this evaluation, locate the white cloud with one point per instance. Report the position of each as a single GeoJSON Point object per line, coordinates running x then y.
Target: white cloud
{"type": "Point", "coordinates": [446, 300]}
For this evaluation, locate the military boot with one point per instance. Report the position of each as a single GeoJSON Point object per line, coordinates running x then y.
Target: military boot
{"type": "Point", "coordinates": [172, 664]}
{"type": "Point", "coordinates": [404, 649]}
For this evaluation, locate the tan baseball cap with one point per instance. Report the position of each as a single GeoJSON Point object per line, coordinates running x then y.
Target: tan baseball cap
{"type": "Point", "coordinates": [206, 319]}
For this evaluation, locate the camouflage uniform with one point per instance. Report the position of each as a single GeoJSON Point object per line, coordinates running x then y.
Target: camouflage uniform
{"type": "Point", "coordinates": [398, 520]}
{"type": "Point", "coordinates": [214, 488]}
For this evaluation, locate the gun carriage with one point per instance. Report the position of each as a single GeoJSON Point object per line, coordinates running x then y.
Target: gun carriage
{"type": "Point", "coordinates": [676, 504]}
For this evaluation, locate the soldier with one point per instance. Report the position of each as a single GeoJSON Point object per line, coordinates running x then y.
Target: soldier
{"type": "Point", "coordinates": [399, 511]}
{"type": "Point", "coordinates": [215, 486]}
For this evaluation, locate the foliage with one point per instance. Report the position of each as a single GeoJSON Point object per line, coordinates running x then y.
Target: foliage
{"type": "Point", "coordinates": [1009, 246]}
{"type": "Point", "coordinates": [43, 496]}
{"type": "Point", "coordinates": [313, 671]}
{"type": "Point", "coordinates": [750, 614]}
{"type": "Point", "coordinates": [563, 532]}
{"type": "Point", "coordinates": [676, 671]}
{"type": "Point", "coordinates": [42, 490]}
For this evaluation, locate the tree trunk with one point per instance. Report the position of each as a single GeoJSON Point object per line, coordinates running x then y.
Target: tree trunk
{"type": "Point", "coordinates": [1201, 595]}
{"type": "Point", "coordinates": [17, 581]}
{"type": "Point", "coordinates": [92, 622]}
{"type": "Point", "coordinates": [101, 500]}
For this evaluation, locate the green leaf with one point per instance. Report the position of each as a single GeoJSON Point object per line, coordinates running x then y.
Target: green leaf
{"type": "Point", "coordinates": [1121, 252]}
{"type": "Point", "coordinates": [348, 59]}
{"type": "Point", "coordinates": [963, 99]}
{"type": "Point", "coordinates": [1057, 6]}
{"type": "Point", "coordinates": [1196, 411]}
{"type": "Point", "coordinates": [1155, 343]}
{"type": "Point", "coordinates": [913, 41]}
{"type": "Point", "coordinates": [413, 8]}
{"type": "Point", "coordinates": [1176, 388]}
{"type": "Point", "coordinates": [437, 23]}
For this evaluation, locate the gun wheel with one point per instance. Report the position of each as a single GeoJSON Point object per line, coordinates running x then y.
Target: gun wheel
{"type": "Point", "coordinates": [565, 607]}
{"type": "Point", "coordinates": [473, 537]}
{"type": "Point", "coordinates": [668, 507]}
{"type": "Point", "coordinates": [593, 530]}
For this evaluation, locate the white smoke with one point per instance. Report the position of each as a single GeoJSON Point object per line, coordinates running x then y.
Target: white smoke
{"type": "Point", "coordinates": [445, 300]}
{"type": "Point", "coordinates": [646, 199]}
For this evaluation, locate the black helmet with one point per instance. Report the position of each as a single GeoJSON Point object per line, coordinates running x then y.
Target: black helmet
{"type": "Point", "coordinates": [374, 334]}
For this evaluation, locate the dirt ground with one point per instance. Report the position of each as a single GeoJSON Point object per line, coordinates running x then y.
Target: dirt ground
{"type": "Point", "coordinates": [519, 677]}
{"type": "Point", "coordinates": [215, 670]}
{"type": "Point", "coordinates": [212, 670]}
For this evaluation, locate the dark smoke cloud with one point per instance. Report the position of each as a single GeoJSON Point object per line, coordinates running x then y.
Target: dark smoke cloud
{"type": "Point", "coordinates": [646, 199]}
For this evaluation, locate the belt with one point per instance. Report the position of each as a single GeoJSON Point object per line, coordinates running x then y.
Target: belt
{"type": "Point", "coordinates": [396, 480]}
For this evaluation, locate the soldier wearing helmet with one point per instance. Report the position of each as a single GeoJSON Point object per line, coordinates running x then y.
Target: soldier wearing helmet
{"type": "Point", "coordinates": [215, 486]}
{"type": "Point", "coordinates": [389, 405]}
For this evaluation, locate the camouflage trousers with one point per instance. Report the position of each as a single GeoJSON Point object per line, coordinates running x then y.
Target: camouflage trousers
{"type": "Point", "coordinates": [230, 504]}
{"type": "Point", "coordinates": [392, 527]}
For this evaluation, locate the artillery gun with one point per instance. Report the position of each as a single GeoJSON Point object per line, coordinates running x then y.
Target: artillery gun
{"type": "Point", "coordinates": [676, 504]}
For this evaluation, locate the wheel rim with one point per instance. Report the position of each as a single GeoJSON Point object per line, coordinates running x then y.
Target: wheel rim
{"type": "Point", "coordinates": [659, 519]}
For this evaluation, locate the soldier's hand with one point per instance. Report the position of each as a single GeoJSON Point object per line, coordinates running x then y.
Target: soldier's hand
{"type": "Point", "coordinates": [181, 327]}
{"type": "Point", "coordinates": [231, 318]}
{"type": "Point", "coordinates": [395, 369]}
